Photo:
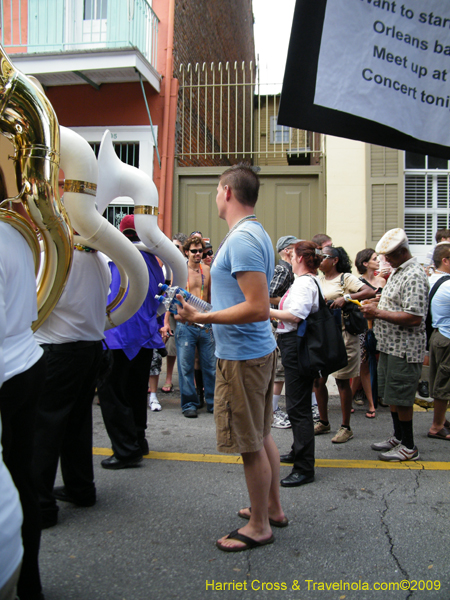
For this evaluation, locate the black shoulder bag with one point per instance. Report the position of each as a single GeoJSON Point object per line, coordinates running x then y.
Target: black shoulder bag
{"type": "Point", "coordinates": [320, 345]}
{"type": "Point", "coordinates": [354, 321]}
{"type": "Point", "coordinates": [429, 319]}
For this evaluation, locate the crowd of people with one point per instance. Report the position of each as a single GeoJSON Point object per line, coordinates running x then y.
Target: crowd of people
{"type": "Point", "coordinates": [234, 360]}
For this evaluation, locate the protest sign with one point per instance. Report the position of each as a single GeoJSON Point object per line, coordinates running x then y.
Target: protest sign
{"type": "Point", "coordinates": [374, 70]}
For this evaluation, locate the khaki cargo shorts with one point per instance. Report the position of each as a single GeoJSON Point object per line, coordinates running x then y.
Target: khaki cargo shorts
{"type": "Point", "coordinates": [243, 403]}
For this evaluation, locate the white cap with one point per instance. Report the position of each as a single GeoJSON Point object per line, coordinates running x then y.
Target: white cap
{"type": "Point", "coordinates": [391, 240]}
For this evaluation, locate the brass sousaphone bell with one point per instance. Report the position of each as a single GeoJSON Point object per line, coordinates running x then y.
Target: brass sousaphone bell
{"type": "Point", "coordinates": [28, 121]}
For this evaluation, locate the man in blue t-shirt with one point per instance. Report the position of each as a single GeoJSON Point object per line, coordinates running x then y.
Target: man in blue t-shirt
{"type": "Point", "coordinates": [245, 348]}
{"type": "Point", "coordinates": [440, 344]}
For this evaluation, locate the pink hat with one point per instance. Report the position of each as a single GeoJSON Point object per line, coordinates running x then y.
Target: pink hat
{"type": "Point", "coordinates": [127, 223]}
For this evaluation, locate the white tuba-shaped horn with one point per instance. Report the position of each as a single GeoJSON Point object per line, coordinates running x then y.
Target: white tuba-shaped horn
{"type": "Point", "coordinates": [118, 179]}
{"type": "Point", "coordinates": [81, 171]}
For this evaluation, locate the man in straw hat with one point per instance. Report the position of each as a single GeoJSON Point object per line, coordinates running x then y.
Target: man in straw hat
{"type": "Point", "coordinates": [401, 339]}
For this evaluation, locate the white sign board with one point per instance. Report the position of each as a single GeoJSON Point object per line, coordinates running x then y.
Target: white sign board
{"type": "Point", "coordinates": [389, 62]}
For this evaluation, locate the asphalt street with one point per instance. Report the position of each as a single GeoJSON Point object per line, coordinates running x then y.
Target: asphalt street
{"type": "Point", "coordinates": [364, 530]}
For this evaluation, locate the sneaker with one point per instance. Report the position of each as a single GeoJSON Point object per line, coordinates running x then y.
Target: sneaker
{"type": "Point", "coordinates": [400, 453]}
{"type": "Point", "coordinates": [315, 413]}
{"type": "Point", "coordinates": [359, 398]}
{"type": "Point", "coordinates": [320, 428]}
{"type": "Point", "coordinates": [342, 436]}
{"type": "Point", "coordinates": [154, 404]}
{"type": "Point", "coordinates": [280, 420]}
{"type": "Point", "coordinates": [392, 442]}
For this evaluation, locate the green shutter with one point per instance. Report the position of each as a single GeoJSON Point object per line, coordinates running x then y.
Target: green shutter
{"type": "Point", "coordinates": [45, 25]}
{"type": "Point", "coordinates": [384, 191]}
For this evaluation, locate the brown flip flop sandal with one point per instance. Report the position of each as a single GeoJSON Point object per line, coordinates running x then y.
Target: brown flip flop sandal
{"type": "Point", "coordinates": [240, 537]}
{"type": "Point", "coordinates": [441, 434]}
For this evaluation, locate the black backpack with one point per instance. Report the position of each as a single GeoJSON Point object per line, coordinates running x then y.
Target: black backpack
{"type": "Point", "coordinates": [429, 319]}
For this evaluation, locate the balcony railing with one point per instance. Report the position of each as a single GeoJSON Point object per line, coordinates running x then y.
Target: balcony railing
{"type": "Point", "coordinates": [36, 26]}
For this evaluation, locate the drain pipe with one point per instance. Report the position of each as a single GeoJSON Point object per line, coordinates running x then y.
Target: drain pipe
{"type": "Point", "coordinates": [167, 161]}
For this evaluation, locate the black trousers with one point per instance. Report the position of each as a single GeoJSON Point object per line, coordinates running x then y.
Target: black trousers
{"type": "Point", "coordinates": [298, 405]}
{"type": "Point", "coordinates": [64, 421]}
{"type": "Point", "coordinates": [123, 400]}
{"type": "Point", "coordinates": [18, 401]}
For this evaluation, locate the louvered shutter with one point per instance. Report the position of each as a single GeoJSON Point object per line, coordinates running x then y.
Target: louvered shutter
{"type": "Point", "coordinates": [384, 191]}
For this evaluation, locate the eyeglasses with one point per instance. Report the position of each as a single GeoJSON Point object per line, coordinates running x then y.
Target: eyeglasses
{"type": "Point", "coordinates": [208, 253]}
{"type": "Point", "coordinates": [196, 251]}
{"type": "Point", "coordinates": [179, 247]}
{"type": "Point", "coordinates": [196, 233]}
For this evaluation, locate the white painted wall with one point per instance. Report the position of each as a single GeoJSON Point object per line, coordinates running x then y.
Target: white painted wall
{"type": "Point", "coordinates": [346, 194]}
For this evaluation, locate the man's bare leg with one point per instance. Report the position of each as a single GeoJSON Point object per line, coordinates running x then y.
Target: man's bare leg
{"type": "Point", "coordinates": [275, 511]}
{"type": "Point", "coordinates": [440, 408]}
{"type": "Point", "coordinates": [258, 476]}
{"type": "Point", "coordinates": [405, 413]}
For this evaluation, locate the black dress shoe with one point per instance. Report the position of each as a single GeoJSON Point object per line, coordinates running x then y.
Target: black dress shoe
{"type": "Point", "coordinates": [287, 458]}
{"type": "Point", "coordinates": [143, 445]}
{"type": "Point", "coordinates": [295, 479]}
{"type": "Point", "coordinates": [120, 463]}
{"type": "Point", "coordinates": [60, 493]}
{"type": "Point", "coordinates": [49, 518]}
{"type": "Point", "coordinates": [190, 413]}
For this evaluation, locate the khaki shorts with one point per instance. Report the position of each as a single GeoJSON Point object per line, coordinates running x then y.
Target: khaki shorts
{"type": "Point", "coordinates": [171, 346]}
{"type": "Point", "coordinates": [352, 345]}
{"type": "Point", "coordinates": [439, 366]}
{"type": "Point", "coordinates": [243, 403]}
{"type": "Point", "coordinates": [397, 380]}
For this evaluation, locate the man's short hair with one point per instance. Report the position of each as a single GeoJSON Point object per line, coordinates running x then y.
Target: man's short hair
{"type": "Point", "coordinates": [243, 181]}
{"type": "Point", "coordinates": [441, 234]}
{"type": "Point", "coordinates": [320, 238]}
{"type": "Point", "coordinates": [441, 251]}
{"type": "Point", "coordinates": [180, 237]}
{"type": "Point", "coordinates": [193, 241]}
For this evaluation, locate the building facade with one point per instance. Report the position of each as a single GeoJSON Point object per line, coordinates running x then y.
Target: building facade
{"type": "Point", "coordinates": [111, 64]}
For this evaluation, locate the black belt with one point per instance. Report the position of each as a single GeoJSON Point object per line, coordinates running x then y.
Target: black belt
{"type": "Point", "coordinates": [70, 345]}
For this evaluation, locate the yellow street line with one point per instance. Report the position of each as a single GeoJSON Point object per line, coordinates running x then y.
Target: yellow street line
{"type": "Point", "coordinates": [320, 462]}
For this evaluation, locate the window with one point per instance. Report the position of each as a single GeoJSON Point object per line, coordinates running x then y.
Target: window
{"type": "Point", "coordinates": [279, 134]}
{"type": "Point", "coordinates": [94, 9]}
{"type": "Point", "coordinates": [427, 201]}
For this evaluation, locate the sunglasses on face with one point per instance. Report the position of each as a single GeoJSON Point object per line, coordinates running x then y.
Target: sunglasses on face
{"type": "Point", "coordinates": [195, 251]}
{"type": "Point", "coordinates": [208, 253]}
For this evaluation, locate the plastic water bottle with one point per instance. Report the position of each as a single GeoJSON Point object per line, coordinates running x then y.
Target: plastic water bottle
{"type": "Point", "coordinates": [168, 298]}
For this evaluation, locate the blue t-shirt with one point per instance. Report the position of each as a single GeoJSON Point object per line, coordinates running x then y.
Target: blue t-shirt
{"type": "Point", "coordinates": [248, 248]}
{"type": "Point", "coordinates": [440, 309]}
